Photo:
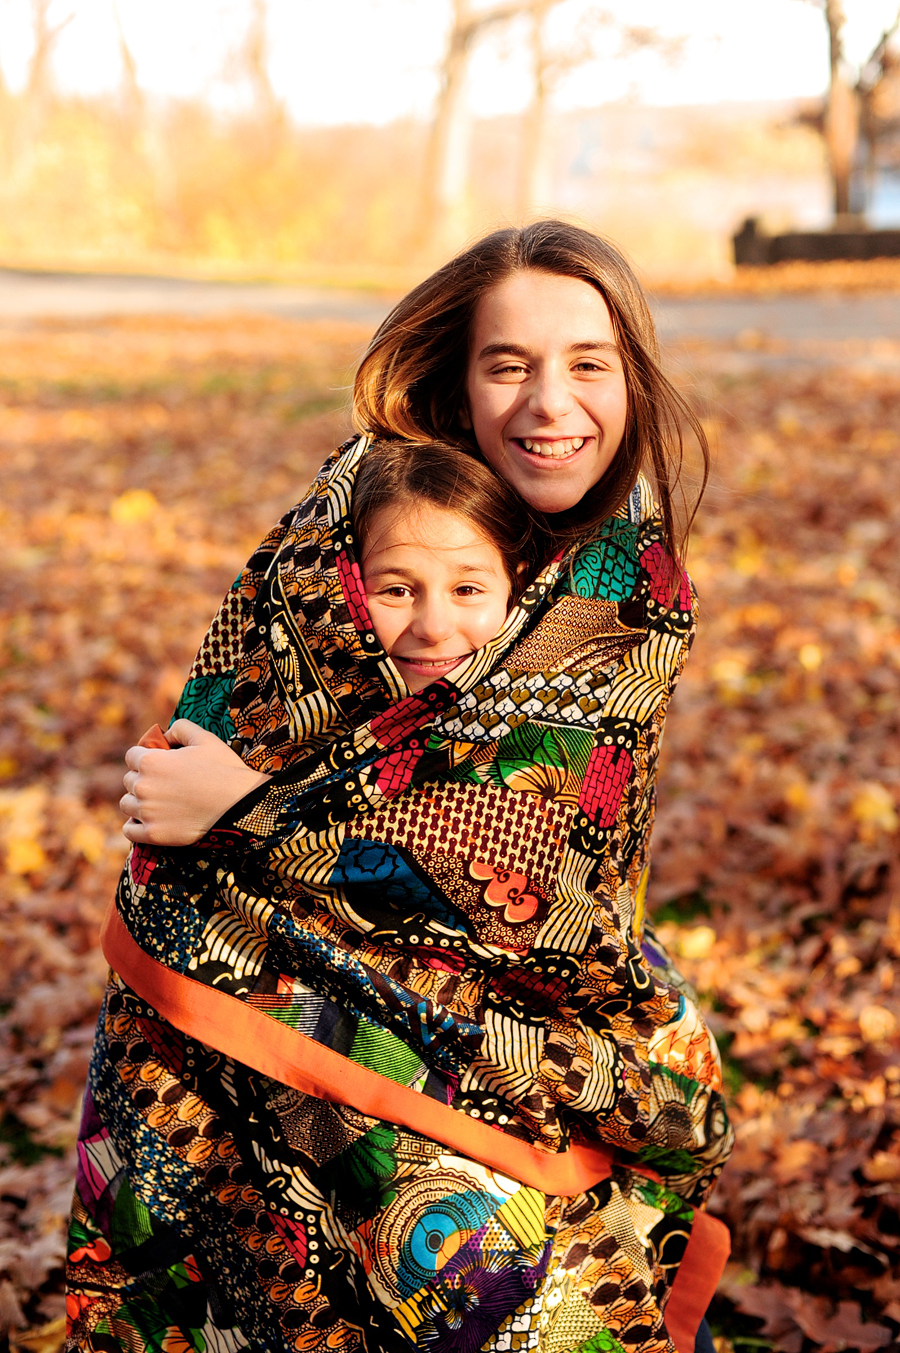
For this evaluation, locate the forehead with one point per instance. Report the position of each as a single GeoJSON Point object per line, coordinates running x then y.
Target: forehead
{"type": "Point", "coordinates": [541, 310]}
{"type": "Point", "coordinates": [421, 527]}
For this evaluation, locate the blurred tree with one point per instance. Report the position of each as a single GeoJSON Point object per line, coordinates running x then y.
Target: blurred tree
{"type": "Point", "coordinates": [39, 86]}
{"type": "Point", "coordinates": [841, 112]}
{"type": "Point", "coordinates": [133, 95]}
{"type": "Point", "coordinates": [141, 124]}
{"type": "Point", "coordinates": [37, 96]}
{"type": "Point", "coordinates": [442, 219]}
{"type": "Point", "coordinates": [850, 112]}
{"type": "Point", "coordinates": [253, 60]}
{"type": "Point", "coordinates": [551, 64]}
{"type": "Point", "coordinates": [534, 149]}
{"type": "Point", "coordinates": [445, 181]}
{"type": "Point", "coordinates": [879, 91]}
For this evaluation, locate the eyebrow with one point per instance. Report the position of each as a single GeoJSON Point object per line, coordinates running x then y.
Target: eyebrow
{"type": "Point", "coordinates": [387, 570]}
{"type": "Point", "coordinates": [518, 350]}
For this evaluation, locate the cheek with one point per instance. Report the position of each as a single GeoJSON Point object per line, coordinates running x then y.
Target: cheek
{"type": "Point", "coordinates": [485, 625]}
{"type": "Point", "coordinates": [614, 410]}
{"type": "Point", "coordinates": [387, 622]}
{"type": "Point", "coordinates": [488, 408]}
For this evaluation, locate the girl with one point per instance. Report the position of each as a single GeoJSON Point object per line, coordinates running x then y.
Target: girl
{"type": "Point", "coordinates": [445, 548]}
{"type": "Point", "coordinates": [445, 545]}
{"type": "Point", "coordinates": [389, 1058]}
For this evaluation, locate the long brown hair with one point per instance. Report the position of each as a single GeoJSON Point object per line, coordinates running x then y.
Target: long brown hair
{"type": "Point", "coordinates": [411, 382]}
{"type": "Point", "coordinates": [396, 473]}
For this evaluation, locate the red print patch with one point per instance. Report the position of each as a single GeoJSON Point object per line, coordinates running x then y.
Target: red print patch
{"type": "Point", "coordinates": [608, 772]}
{"type": "Point", "coordinates": [668, 584]}
{"type": "Point", "coordinates": [142, 863]}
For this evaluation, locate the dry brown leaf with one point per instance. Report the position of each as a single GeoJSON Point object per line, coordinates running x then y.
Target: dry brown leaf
{"type": "Point", "coordinates": [835, 1330]}
{"type": "Point", "coordinates": [126, 449]}
{"type": "Point", "coordinates": [46, 1338]}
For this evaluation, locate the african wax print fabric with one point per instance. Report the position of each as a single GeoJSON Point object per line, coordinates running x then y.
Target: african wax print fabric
{"type": "Point", "coordinates": [391, 1060]}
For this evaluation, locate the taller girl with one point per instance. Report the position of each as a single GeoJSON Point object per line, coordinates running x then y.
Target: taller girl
{"type": "Point", "coordinates": [538, 346]}
{"type": "Point", "coordinates": [391, 1059]}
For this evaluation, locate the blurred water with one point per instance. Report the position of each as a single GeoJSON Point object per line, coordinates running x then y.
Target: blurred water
{"type": "Point", "coordinates": [883, 209]}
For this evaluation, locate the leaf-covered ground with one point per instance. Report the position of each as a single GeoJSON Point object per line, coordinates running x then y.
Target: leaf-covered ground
{"type": "Point", "coordinates": [141, 460]}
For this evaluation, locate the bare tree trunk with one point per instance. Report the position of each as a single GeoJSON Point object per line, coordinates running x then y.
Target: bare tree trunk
{"type": "Point", "coordinates": [255, 58]}
{"type": "Point", "coordinates": [133, 94]}
{"type": "Point", "coordinates": [447, 156]}
{"type": "Point", "coordinates": [841, 115]}
{"type": "Point", "coordinates": [443, 214]}
{"type": "Point", "coordinates": [551, 64]}
{"type": "Point", "coordinates": [534, 150]}
{"type": "Point", "coordinates": [147, 139]}
{"type": "Point", "coordinates": [879, 101]}
{"type": "Point", "coordinates": [39, 87]}
{"type": "Point", "coordinates": [38, 93]}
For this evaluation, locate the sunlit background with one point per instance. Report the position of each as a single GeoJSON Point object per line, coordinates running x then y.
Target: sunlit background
{"type": "Point", "coordinates": [264, 176]}
{"type": "Point", "coordinates": [347, 139]}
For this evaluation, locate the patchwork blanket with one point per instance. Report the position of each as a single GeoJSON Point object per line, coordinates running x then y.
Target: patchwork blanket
{"type": "Point", "coordinates": [392, 1059]}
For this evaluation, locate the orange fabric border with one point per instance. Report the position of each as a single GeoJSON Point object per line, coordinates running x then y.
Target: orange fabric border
{"type": "Point", "coordinates": [697, 1279]}
{"type": "Point", "coordinates": [233, 1027]}
{"type": "Point", "coordinates": [237, 1029]}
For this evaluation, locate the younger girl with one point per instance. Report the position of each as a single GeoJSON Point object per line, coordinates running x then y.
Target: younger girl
{"type": "Point", "coordinates": [445, 548]}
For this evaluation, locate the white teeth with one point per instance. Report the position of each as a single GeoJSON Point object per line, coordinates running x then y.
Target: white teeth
{"type": "Point", "coordinates": [555, 450]}
{"type": "Point", "coordinates": [430, 662]}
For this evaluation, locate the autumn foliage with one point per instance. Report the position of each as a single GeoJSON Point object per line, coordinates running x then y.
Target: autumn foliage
{"type": "Point", "coordinates": [141, 460]}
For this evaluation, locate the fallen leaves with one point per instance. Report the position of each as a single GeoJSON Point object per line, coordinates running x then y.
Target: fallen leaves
{"type": "Point", "coordinates": [141, 461]}
{"type": "Point", "coordinates": [778, 831]}
{"type": "Point", "coordinates": [789, 1314]}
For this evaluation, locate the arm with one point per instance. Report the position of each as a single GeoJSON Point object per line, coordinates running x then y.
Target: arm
{"type": "Point", "coordinates": [175, 800]}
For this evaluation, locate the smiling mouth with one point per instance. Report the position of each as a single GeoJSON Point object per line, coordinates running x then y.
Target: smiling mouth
{"type": "Point", "coordinates": [556, 449]}
{"type": "Point", "coordinates": [431, 664]}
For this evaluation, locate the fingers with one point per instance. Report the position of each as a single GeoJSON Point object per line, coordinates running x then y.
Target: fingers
{"type": "Point", "coordinates": [186, 733]}
{"type": "Point", "coordinates": [136, 771]}
{"type": "Point", "coordinates": [136, 832]}
{"type": "Point", "coordinates": [129, 805]}
{"type": "Point", "coordinates": [134, 756]}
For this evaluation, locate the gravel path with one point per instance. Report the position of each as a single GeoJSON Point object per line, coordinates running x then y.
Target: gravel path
{"type": "Point", "coordinates": [39, 295]}
{"type": "Point", "coordinates": [749, 321]}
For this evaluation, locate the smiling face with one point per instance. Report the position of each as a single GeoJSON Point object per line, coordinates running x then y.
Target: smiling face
{"type": "Point", "coordinates": [546, 390]}
{"type": "Point", "coordinates": [436, 586]}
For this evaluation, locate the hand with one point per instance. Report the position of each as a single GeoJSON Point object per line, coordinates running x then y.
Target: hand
{"type": "Point", "coordinates": [174, 800]}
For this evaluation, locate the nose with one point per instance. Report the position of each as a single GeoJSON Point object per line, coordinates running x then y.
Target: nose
{"type": "Point", "coordinates": [432, 620]}
{"type": "Point", "coordinates": [550, 397]}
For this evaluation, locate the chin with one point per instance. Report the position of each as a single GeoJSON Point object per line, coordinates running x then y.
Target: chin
{"type": "Point", "coordinates": [553, 504]}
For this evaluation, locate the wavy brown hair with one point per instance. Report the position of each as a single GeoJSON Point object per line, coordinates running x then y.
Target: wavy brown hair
{"type": "Point", "coordinates": [411, 382]}
{"type": "Point", "coordinates": [398, 473]}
